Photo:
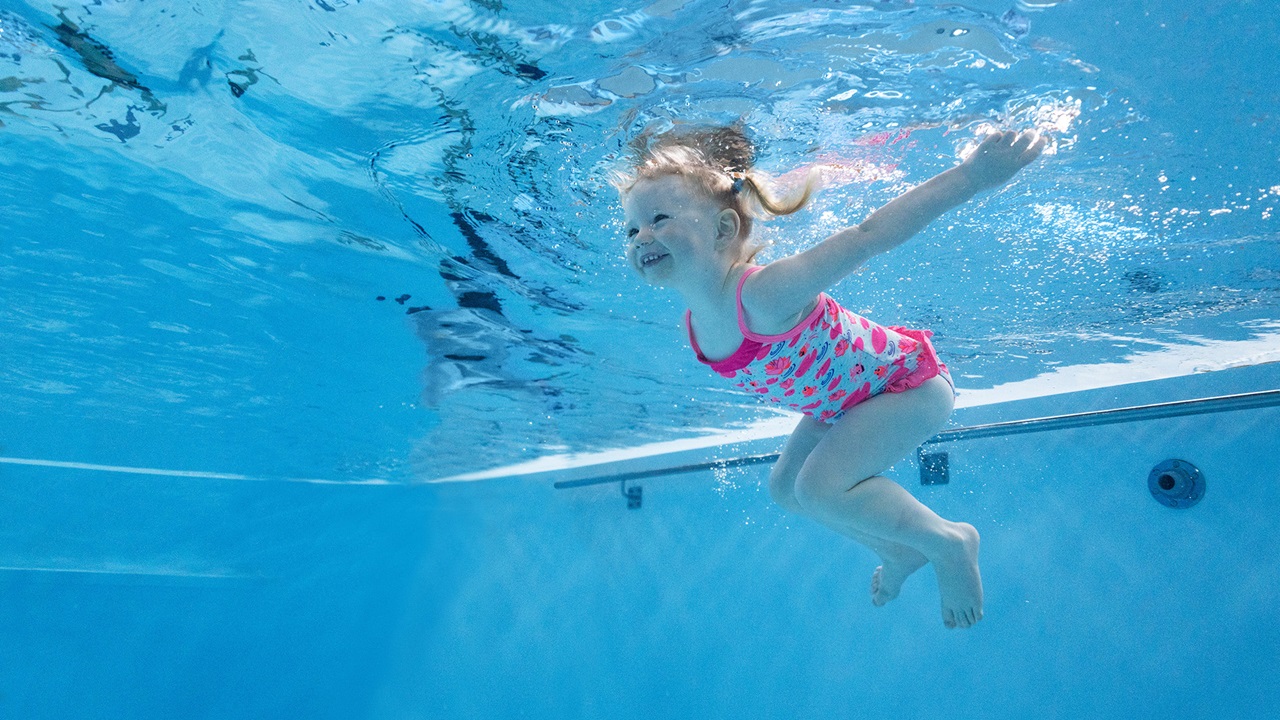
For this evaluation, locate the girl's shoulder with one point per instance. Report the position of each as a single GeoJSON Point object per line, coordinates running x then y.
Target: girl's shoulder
{"type": "Point", "coordinates": [759, 316]}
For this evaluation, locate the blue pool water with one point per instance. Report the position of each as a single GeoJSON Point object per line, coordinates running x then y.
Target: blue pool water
{"type": "Point", "coordinates": [271, 271]}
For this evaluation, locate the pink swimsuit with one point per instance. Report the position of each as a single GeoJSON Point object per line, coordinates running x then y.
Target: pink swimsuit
{"type": "Point", "coordinates": [829, 362]}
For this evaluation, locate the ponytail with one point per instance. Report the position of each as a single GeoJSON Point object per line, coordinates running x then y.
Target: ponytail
{"type": "Point", "coordinates": [760, 189]}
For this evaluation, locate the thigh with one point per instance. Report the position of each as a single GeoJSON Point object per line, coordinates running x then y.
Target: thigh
{"type": "Point", "coordinates": [782, 478]}
{"type": "Point", "coordinates": [875, 434]}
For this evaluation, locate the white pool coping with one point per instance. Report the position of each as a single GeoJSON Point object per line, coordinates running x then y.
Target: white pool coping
{"type": "Point", "coordinates": [1189, 356]}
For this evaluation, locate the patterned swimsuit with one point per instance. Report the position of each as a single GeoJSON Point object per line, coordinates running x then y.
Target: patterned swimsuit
{"type": "Point", "coordinates": [829, 362]}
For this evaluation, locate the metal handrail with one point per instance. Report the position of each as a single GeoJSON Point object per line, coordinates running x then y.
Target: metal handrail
{"type": "Point", "coordinates": [1092, 418]}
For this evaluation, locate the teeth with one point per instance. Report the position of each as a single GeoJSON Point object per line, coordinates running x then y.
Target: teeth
{"type": "Point", "coordinates": [650, 257]}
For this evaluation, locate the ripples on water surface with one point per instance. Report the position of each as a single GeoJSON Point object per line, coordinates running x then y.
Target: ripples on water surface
{"type": "Point", "coordinates": [374, 239]}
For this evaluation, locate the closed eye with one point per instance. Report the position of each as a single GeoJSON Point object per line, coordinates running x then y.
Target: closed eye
{"type": "Point", "coordinates": [659, 218]}
{"type": "Point", "coordinates": [632, 232]}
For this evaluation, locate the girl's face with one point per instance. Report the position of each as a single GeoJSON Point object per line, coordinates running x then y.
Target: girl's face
{"type": "Point", "coordinates": [672, 230]}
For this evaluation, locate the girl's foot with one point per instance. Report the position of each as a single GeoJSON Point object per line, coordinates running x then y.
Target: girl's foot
{"type": "Point", "coordinates": [887, 580]}
{"type": "Point", "coordinates": [959, 582]}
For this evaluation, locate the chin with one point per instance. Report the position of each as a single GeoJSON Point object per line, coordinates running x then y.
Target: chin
{"type": "Point", "coordinates": [657, 279]}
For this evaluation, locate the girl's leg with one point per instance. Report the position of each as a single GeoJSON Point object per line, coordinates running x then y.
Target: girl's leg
{"type": "Point", "coordinates": [838, 483]}
{"type": "Point", "coordinates": [898, 561]}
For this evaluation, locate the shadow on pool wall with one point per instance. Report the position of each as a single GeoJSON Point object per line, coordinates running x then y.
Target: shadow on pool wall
{"type": "Point", "coordinates": [709, 602]}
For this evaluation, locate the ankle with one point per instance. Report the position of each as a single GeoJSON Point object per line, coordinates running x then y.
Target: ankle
{"type": "Point", "coordinates": [950, 540]}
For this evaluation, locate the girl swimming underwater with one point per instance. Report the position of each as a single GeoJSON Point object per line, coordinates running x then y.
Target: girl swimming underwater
{"type": "Point", "coordinates": [870, 394]}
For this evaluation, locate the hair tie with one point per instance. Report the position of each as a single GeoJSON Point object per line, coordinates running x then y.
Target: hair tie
{"type": "Point", "coordinates": [737, 185]}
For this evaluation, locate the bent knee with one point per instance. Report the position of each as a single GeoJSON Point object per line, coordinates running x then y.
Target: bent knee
{"type": "Point", "coordinates": [810, 492]}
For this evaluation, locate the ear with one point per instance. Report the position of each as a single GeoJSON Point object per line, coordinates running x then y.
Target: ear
{"type": "Point", "coordinates": [728, 223]}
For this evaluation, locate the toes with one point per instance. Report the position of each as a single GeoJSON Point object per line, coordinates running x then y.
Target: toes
{"type": "Point", "coordinates": [961, 618]}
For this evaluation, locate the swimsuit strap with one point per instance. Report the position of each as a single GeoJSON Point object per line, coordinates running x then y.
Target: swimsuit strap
{"type": "Point", "coordinates": [693, 342]}
{"type": "Point", "coordinates": [742, 320]}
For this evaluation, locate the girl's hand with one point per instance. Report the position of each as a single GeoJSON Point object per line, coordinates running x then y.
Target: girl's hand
{"type": "Point", "coordinates": [1000, 156]}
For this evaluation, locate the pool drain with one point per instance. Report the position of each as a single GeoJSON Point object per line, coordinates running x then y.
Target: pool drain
{"type": "Point", "coordinates": [1176, 483]}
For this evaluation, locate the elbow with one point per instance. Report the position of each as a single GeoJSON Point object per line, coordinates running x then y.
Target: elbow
{"type": "Point", "coordinates": [860, 244]}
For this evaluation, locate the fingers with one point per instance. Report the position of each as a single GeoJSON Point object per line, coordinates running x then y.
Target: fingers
{"type": "Point", "coordinates": [1025, 146]}
{"type": "Point", "coordinates": [1028, 146]}
{"type": "Point", "coordinates": [1014, 139]}
{"type": "Point", "coordinates": [1032, 152]}
{"type": "Point", "coordinates": [993, 140]}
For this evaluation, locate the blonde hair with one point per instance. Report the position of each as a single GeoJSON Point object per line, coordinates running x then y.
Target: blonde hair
{"type": "Point", "coordinates": [718, 162]}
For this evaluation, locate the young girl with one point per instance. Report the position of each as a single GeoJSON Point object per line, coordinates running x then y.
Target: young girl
{"type": "Point", "coordinates": [870, 394]}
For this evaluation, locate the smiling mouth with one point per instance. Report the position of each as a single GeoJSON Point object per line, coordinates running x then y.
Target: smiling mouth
{"type": "Point", "coordinates": [651, 258]}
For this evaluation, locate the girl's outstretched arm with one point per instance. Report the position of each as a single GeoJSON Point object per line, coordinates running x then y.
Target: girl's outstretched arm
{"type": "Point", "coordinates": [787, 286]}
